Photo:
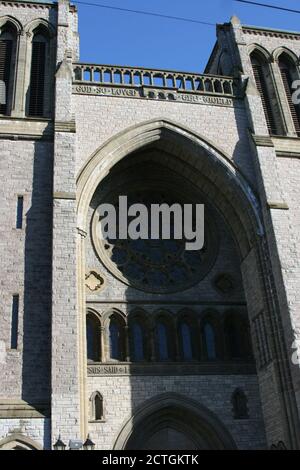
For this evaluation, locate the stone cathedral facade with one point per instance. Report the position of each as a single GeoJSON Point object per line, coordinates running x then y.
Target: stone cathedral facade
{"type": "Point", "coordinates": [144, 345]}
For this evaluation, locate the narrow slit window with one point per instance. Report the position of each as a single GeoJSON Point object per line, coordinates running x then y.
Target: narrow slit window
{"type": "Point", "coordinates": [8, 39]}
{"type": "Point", "coordinates": [14, 322]}
{"type": "Point", "coordinates": [266, 91]}
{"type": "Point", "coordinates": [19, 220]}
{"type": "Point", "coordinates": [5, 69]}
{"type": "Point", "coordinates": [37, 76]}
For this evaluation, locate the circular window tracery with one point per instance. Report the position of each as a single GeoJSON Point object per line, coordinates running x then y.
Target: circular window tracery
{"type": "Point", "coordinates": [157, 266]}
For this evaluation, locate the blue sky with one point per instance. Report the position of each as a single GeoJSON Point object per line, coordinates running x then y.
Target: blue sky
{"type": "Point", "coordinates": [113, 37]}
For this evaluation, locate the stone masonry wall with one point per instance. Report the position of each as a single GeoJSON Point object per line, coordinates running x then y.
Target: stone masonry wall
{"type": "Point", "coordinates": [26, 169]}
{"type": "Point", "coordinates": [121, 395]}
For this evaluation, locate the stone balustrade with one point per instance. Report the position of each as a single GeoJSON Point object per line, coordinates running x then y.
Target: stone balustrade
{"type": "Point", "coordinates": [92, 74]}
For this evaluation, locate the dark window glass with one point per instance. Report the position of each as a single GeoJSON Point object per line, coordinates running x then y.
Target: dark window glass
{"type": "Point", "coordinates": [162, 342]}
{"type": "Point", "coordinates": [6, 47]}
{"type": "Point", "coordinates": [37, 77]}
{"type": "Point", "coordinates": [210, 341]}
{"type": "Point", "coordinates": [263, 87]}
{"type": "Point", "coordinates": [186, 341]}
{"type": "Point", "coordinates": [19, 221]}
{"type": "Point", "coordinates": [14, 322]}
{"type": "Point", "coordinates": [98, 408]}
{"type": "Point", "coordinates": [138, 347]}
{"type": "Point", "coordinates": [93, 338]}
{"type": "Point", "coordinates": [115, 341]}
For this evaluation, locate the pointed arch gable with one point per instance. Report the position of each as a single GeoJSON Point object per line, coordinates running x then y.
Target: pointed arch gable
{"type": "Point", "coordinates": [4, 20]}
{"type": "Point", "coordinates": [40, 23]}
{"type": "Point", "coordinates": [19, 439]}
{"type": "Point", "coordinates": [114, 312]}
{"type": "Point", "coordinates": [286, 51]}
{"type": "Point", "coordinates": [191, 413]}
{"type": "Point", "coordinates": [187, 147]}
{"type": "Point", "coordinates": [262, 51]}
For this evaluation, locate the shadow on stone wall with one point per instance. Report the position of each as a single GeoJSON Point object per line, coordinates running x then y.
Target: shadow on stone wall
{"type": "Point", "coordinates": [36, 372]}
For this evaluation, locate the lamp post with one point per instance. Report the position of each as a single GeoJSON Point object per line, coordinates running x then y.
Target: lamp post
{"type": "Point", "coordinates": [75, 444]}
{"type": "Point", "coordinates": [88, 444]}
{"type": "Point", "coordinates": [59, 444]}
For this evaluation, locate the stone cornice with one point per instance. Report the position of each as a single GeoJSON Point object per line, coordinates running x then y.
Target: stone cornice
{"type": "Point", "coordinates": [262, 140]}
{"type": "Point", "coordinates": [277, 205]}
{"type": "Point", "coordinates": [271, 32]}
{"type": "Point", "coordinates": [11, 408]}
{"type": "Point", "coordinates": [64, 195]}
{"type": "Point", "coordinates": [24, 3]}
{"type": "Point", "coordinates": [64, 126]}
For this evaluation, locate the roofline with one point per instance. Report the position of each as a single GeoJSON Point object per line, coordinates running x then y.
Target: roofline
{"type": "Point", "coordinates": [211, 57]}
{"type": "Point", "coordinates": [271, 30]}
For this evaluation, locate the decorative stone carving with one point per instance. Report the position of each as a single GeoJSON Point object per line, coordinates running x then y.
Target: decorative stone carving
{"type": "Point", "coordinates": [224, 283]}
{"type": "Point", "coordinates": [94, 281]}
{"type": "Point", "coordinates": [156, 266]}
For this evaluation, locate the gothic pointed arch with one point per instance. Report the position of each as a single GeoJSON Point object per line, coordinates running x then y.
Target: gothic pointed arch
{"type": "Point", "coordinates": [189, 150]}
{"type": "Point", "coordinates": [288, 66]}
{"type": "Point", "coordinates": [14, 22]}
{"type": "Point", "coordinates": [285, 50]}
{"type": "Point", "coordinates": [18, 441]}
{"type": "Point", "coordinates": [260, 61]}
{"type": "Point", "coordinates": [41, 23]}
{"type": "Point", "coordinates": [93, 336]}
{"type": "Point", "coordinates": [259, 49]}
{"type": "Point", "coordinates": [10, 29]}
{"type": "Point", "coordinates": [191, 421]}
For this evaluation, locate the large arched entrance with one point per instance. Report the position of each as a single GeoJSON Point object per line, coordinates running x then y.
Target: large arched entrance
{"type": "Point", "coordinates": [172, 422]}
{"type": "Point", "coordinates": [162, 156]}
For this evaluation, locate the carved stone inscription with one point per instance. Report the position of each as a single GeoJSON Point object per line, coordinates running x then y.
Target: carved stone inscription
{"type": "Point", "coordinates": [153, 94]}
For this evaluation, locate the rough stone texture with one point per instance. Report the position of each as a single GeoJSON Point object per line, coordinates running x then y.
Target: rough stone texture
{"type": "Point", "coordinates": [26, 266]}
{"type": "Point", "coordinates": [123, 395]}
{"type": "Point", "coordinates": [36, 429]}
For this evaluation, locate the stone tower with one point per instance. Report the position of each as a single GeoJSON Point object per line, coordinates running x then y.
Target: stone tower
{"type": "Point", "coordinates": [144, 344]}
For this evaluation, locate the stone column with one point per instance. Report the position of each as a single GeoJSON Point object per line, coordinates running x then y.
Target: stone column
{"type": "Point", "coordinates": [68, 404]}
{"type": "Point", "coordinates": [103, 355]}
{"type": "Point", "coordinates": [18, 109]}
{"type": "Point", "coordinates": [127, 348]}
{"type": "Point", "coordinates": [275, 266]}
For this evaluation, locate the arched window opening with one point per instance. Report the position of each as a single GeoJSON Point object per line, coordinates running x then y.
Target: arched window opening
{"type": "Point", "coordinates": [93, 338]}
{"type": "Point", "coordinates": [265, 87]}
{"type": "Point", "coordinates": [163, 343]}
{"type": "Point", "coordinates": [8, 39]}
{"type": "Point", "coordinates": [239, 405]}
{"type": "Point", "coordinates": [237, 338]}
{"type": "Point", "coordinates": [116, 339]}
{"type": "Point", "coordinates": [38, 70]}
{"type": "Point", "coordinates": [96, 407]}
{"type": "Point", "coordinates": [209, 341]}
{"type": "Point", "coordinates": [138, 342]}
{"type": "Point", "coordinates": [289, 74]}
{"type": "Point", "coordinates": [186, 341]}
